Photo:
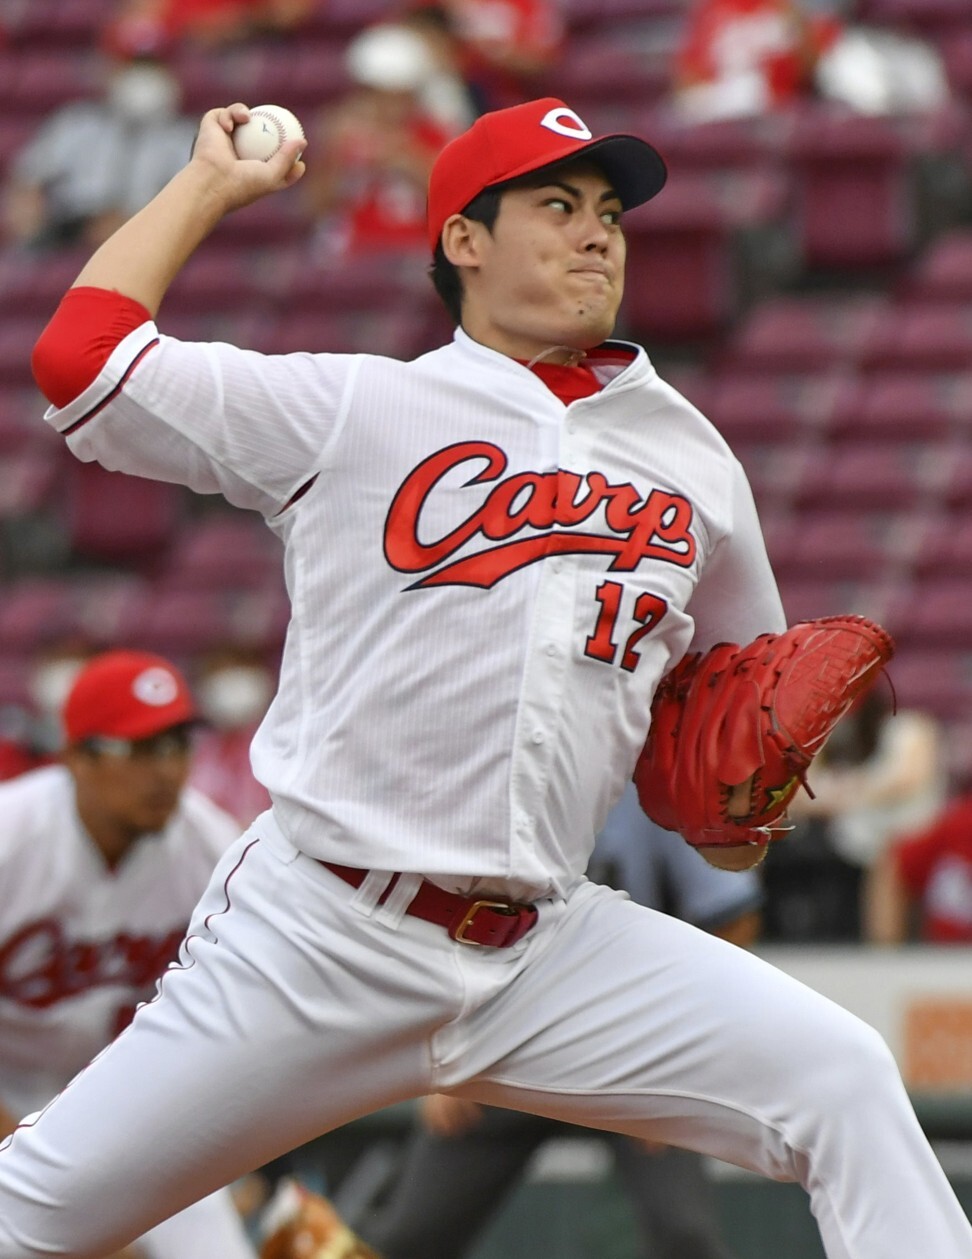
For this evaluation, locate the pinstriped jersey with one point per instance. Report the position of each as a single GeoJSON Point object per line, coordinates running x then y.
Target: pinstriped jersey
{"type": "Point", "coordinates": [486, 584]}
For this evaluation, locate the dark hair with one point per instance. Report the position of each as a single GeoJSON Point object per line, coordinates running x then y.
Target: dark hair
{"type": "Point", "coordinates": [445, 277]}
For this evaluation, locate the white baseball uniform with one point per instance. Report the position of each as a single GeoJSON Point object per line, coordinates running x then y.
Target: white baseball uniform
{"type": "Point", "coordinates": [81, 944]}
{"type": "Point", "coordinates": [486, 587]}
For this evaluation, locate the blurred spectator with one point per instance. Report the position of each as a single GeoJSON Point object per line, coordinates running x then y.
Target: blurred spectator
{"type": "Point", "coordinates": [93, 164]}
{"type": "Point", "coordinates": [212, 22]}
{"type": "Point", "coordinates": [879, 777]}
{"type": "Point", "coordinates": [747, 57]}
{"type": "Point", "coordinates": [233, 692]}
{"type": "Point", "coordinates": [921, 887]}
{"type": "Point", "coordinates": [504, 45]}
{"type": "Point", "coordinates": [374, 149]}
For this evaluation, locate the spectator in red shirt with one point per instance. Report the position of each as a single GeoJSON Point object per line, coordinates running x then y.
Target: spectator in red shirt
{"type": "Point", "coordinates": [213, 21]}
{"type": "Point", "coordinates": [744, 57]}
{"type": "Point", "coordinates": [922, 885]}
{"type": "Point", "coordinates": [374, 149]}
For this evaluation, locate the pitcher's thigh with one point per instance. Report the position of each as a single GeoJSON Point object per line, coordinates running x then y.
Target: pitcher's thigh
{"type": "Point", "coordinates": [636, 1022]}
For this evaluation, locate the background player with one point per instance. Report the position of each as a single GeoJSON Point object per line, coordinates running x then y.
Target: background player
{"type": "Point", "coordinates": [493, 555]}
{"type": "Point", "coordinates": [102, 859]}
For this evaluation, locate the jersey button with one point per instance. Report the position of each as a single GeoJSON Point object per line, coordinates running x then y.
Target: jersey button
{"type": "Point", "coordinates": [538, 736]}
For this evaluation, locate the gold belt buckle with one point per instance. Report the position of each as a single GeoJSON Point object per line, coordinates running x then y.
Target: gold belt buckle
{"type": "Point", "coordinates": [473, 910]}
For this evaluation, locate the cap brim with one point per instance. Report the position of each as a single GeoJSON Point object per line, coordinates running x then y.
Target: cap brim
{"type": "Point", "coordinates": [636, 170]}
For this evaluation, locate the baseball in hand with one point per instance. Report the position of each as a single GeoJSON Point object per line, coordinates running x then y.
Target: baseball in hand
{"type": "Point", "coordinates": [269, 126]}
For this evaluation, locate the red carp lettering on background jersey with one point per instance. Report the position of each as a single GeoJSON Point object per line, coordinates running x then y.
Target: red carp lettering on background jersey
{"type": "Point", "coordinates": [40, 966]}
{"type": "Point", "coordinates": [656, 526]}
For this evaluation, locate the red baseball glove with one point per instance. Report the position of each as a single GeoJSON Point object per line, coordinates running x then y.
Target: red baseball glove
{"type": "Point", "coordinates": [763, 712]}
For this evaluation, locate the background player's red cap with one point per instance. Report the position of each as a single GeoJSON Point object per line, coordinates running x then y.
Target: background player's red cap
{"type": "Point", "coordinates": [510, 142]}
{"type": "Point", "coordinates": [126, 695]}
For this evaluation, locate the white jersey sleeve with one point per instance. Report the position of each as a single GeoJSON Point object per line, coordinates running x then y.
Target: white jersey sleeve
{"type": "Point", "coordinates": [213, 417]}
{"type": "Point", "coordinates": [737, 597]}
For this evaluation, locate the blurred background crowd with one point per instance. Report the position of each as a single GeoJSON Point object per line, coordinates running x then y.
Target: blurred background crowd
{"type": "Point", "coordinates": [806, 280]}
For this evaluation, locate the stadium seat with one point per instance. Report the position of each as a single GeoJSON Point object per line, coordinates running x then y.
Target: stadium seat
{"type": "Point", "coordinates": [940, 544]}
{"type": "Point", "coordinates": [935, 612]}
{"type": "Point", "coordinates": [944, 271]}
{"type": "Point", "coordinates": [17, 339]}
{"type": "Point", "coordinates": [893, 405]}
{"type": "Point", "coordinates": [803, 333]}
{"type": "Point", "coordinates": [32, 284]}
{"type": "Point", "coordinates": [34, 609]}
{"type": "Point", "coordinates": [687, 252]}
{"type": "Point", "coordinates": [933, 681]}
{"type": "Point", "coordinates": [223, 551]}
{"type": "Point", "coordinates": [854, 205]}
{"type": "Point", "coordinates": [214, 279]}
{"type": "Point", "coordinates": [862, 477]}
{"type": "Point", "coordinates": [806, 598]}
{"type": "Point", "coordinates": [175, 623]}
{"type": "Point", "coordinates": [112, 517]}
{"type": "Point", "coordinates": [835, 544]}
{"type": "Point", "coordinates": [770, 407]}
{"type": "Point", "coordinates": [915, 333]}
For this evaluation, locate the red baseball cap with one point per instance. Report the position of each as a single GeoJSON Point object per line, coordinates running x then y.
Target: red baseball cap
{"type": "Point", "coordinates": [510, 142]}
{"type": "Point", "coordinates": [126, 695]}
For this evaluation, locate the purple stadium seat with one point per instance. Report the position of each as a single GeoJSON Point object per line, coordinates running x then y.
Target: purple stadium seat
{"type": "Point", "coordinates": [685, 251]}
{"type": "Point", "coordinates": [893, 405]}
{"type": "Point", "coordinates": [932, 681]}
{"type": "Point", "coordinates": [806, 598]}
{"type": "Point", "coordinates": [770, 407]}
{"type": "Point", "coordinates": [804, 333]}
{"type": "Point", "coordinates": [915, 333]}
{"type": "Point", "coordinates": [218, 279]}
{"type": "Point", "coordinates": [17, 338]}
{"type": "Point", "coordinates": [34, 610]}
{"type": "Point", "coordinates": [862, 477]}
{"type": "Point", "coordinates": [935, 612]}
{"type": "Point", "coordinates": [31, 285]}
{"type": "Point", "coordinates": [854, 204]}
{"type": "Point", "coordinates": [941, 545]}
{"type": "Point", "coordinates": [839, 544]}
{"type": "Point", "coordinates": [113, 517]}
{"type": "Point", "coordinates": [224, 551]}
{"type": "Point", "coordinates": [944, 271]}
{"type": "Point", "coordinates": [956, 50]}
{"type": "Point", "coordinates": [954, 475]}
{"type": "Point", "coordinates": [176, 623]}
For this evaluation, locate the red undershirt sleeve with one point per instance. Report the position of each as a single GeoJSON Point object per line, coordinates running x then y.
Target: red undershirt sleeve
{"type": "Point", "coordinates": [80, 338]}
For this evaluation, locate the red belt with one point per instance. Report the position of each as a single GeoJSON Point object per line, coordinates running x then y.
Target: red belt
{"type": "Point", "coordinates": [495, 924]}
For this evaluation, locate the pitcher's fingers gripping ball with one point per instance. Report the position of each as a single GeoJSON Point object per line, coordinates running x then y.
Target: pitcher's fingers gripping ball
{"type": "Point", "coordinates": [762, 711]}
{"type": "Point", "coordinates": [298, 1224]}
{"type": "Point", "coordinates": [269, 127]}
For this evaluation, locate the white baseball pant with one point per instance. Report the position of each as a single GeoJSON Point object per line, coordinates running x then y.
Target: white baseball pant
{"type": "Point", "coordinates": [296, 1010]}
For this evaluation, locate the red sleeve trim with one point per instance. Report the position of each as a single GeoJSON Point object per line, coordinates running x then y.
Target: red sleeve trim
{"type": "Point", "coordinates": [80, 338]}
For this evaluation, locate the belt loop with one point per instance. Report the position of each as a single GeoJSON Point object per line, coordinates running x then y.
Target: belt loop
{"type": "Point", "coordinates": [367, 896]}
{"type": "Point", "coordinates": [391, 912]}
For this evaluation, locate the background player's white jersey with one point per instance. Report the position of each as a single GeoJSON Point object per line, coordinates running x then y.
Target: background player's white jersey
{"type": "Point", "coordinates": [82, 944]}
{"type": "Point", "coordinates": [611, 534]}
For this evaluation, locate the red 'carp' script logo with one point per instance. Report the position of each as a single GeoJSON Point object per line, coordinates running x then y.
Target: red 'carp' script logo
{"type": "Point", "coordinates": [656, 526]}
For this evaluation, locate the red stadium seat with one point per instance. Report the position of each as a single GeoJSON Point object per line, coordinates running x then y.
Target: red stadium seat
{"type": "Point", "coordinates": [223, 551]}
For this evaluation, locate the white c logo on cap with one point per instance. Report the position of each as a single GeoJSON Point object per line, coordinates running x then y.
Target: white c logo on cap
{"type": "Point", "coordinates": [156, 686]}
{"type": "Point", "coordinates": [566, 123]}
